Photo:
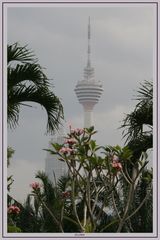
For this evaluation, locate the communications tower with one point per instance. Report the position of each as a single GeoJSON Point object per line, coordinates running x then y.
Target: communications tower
{"type": "Point", "coordinates": [88, 90]}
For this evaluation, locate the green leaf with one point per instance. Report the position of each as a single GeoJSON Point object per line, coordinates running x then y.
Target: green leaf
{"type": "Point", "coordinates": [14, 229]}
{"type": "Point", "coordinates": [117, 147]}
{"type": "Point", "coordinates": [126, 153]}
{"type": "Point", "coordinates": [81, 150]}
{"type": "Point", "coordinates": [57, 146]}
{"type": "Point", "coordinates": [90, 129]}
{"type": "Point", "coordinates": [108, 148]}
{"type": "Point", "coordinates": [50, 151]}
{"type": "Point", "coordinates": [93, 145]}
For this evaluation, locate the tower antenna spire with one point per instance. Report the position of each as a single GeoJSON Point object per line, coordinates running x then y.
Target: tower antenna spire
{"type": "Point", "coordinates": [89, 47]}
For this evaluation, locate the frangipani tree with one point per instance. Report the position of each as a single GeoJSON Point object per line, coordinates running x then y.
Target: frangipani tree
{"type": "Point", "coordinates": [100, 182]}
{"type": "Point", "coordinates": [100, 193]}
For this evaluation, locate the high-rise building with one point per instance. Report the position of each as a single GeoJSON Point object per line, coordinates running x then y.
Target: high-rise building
{"type": "Point", "coordinates": [55, 168]}
{"type": "Point", "coordinates": [88, 90]}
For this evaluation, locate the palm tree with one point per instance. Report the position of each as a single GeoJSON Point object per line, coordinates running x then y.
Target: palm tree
{"type": "Point", "coordinates": [51, 200]}
{"type": "Point", "coordinates": [139, 141]}
{"type": "Point", "coordinates": [137, 138]}
{"type": "Point", "coordinates": [142, 221]}
{"type": "Point", "coordinates": [28, 83]}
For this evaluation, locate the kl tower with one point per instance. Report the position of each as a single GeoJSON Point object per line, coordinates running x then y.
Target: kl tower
{"type": "Point", "coordinates": [88, 90]}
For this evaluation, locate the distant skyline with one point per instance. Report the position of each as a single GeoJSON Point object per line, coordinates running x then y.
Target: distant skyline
{"type": "Point", "coordinates": [122, 43]}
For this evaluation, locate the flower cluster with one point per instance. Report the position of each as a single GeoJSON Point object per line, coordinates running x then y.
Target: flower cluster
{"type": "Point", "coordinates": [66, 194]}
{"type": "Point", "coordinates": [70, 141]}
{"type": "Point", "coordinates": [66, 150]}
{"type": "Point", "coordinates": [13, 209]}
{"type": "Point", "coordinates": [117, 165]}
{"type": "Point", "coordinates": [35, 185]}
{"type": "Point", "coordinates": [77, 131]}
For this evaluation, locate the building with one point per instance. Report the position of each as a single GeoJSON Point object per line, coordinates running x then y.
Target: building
{"type": "Point", "coordinates": [54, 168]}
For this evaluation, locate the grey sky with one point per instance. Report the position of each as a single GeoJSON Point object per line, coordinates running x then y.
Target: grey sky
{"type": "Point", "coordinates": [122, 42]}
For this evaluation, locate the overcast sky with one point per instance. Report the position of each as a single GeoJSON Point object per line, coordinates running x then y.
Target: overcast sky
{"type": "Point", "coordinates": [122, 43]}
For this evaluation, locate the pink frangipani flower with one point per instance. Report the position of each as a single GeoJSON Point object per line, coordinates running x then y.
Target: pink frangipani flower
{"type": "Point", "coordinates": [117, 165]}
{"type": "Point", "coordinates": [66, 194]}
{"type": "Point", "coordinates": [70, 141]}
{"type": "Point", "coordinates": [35, 185]}
{"type": "Point", "coordinates": [65, 150]}
{"type": "Point", "coordinates": [13, 209]}
{"type": "Point", "coordinates": [77, 131]}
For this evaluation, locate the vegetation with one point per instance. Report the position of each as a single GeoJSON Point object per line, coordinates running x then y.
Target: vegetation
{"type": "Point", "coordinates": [139, 123]}
{"type": "Point", "coordinates": [28, 83]}
{"type": "Point", "coordinates": [100, 194]}
{"type": "Point", "coordinates": [107, 189]}
{"type": "Point", "coordinates": [10, 180]}
{"type": "Point", "coordinates": [10, 152]}
{"type": "Point", "coordinates": [138, 130]}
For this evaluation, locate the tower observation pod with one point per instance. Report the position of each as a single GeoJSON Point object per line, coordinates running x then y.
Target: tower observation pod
{"type": "Point", "coordinates": [88, 91]}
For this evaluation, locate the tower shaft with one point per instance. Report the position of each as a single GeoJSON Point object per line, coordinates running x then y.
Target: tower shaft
{"type": "Point", "coordinates": [88, 118]}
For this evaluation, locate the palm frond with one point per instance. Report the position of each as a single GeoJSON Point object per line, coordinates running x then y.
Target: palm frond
{"type": "Point", "coordinates": [28, 83]}
{"type": "Point", "coordinates": [145, 92]}
{"type": "Point", "coordinates": [142, 115]}
{"type": "Point", "coordinates": [62, 183]}
{"type": "Point", "coordinates": [44, 178]}
{"type": "Point", "coordinates": [32, 73]}
{"type": "Point", "coordinates": [140, 144]}
{"type": "Point", "coordinates": [48, 188]}
{"type": "Point", "coordinates": [42, 96]}
{"type": "Point", "coordinates": [13, 115]}
{"type": "Point", "coordinates": [134, 122]}
{"type": "Point", "coordinates": [18, 53]}
{"type": "Point", "coordinates": [142, 221]}
{"type": "Point", "coordinates": [52, 199]}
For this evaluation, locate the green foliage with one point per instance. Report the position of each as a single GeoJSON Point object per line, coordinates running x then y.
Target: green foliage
{"type": "Point", "coordinates": [104, 191]}
{"type": "Point", "coordinates": [28, 83]}
{"type": "Point", "coordinates": [109, 191]}
{"type": "Point", "coordinates": [13, 229]}
{"type": "Point", "coordinates": [111, 187]}
{"type": "Point", "coordinates": [137, 138]}
{"type": "Point", "coordinates": [10, 152]}
{"type": "Point", "coordinates": [18, 53]}
{"type": "Point", "coordinates": [50, 199]}
{"type": "Point", "coordinates": [142, 221]}
{"type": "Point", "coordinates": [10, 180]}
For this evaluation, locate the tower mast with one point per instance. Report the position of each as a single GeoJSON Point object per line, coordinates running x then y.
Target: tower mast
{"type": "Point", "coordinates": [89, 46]}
